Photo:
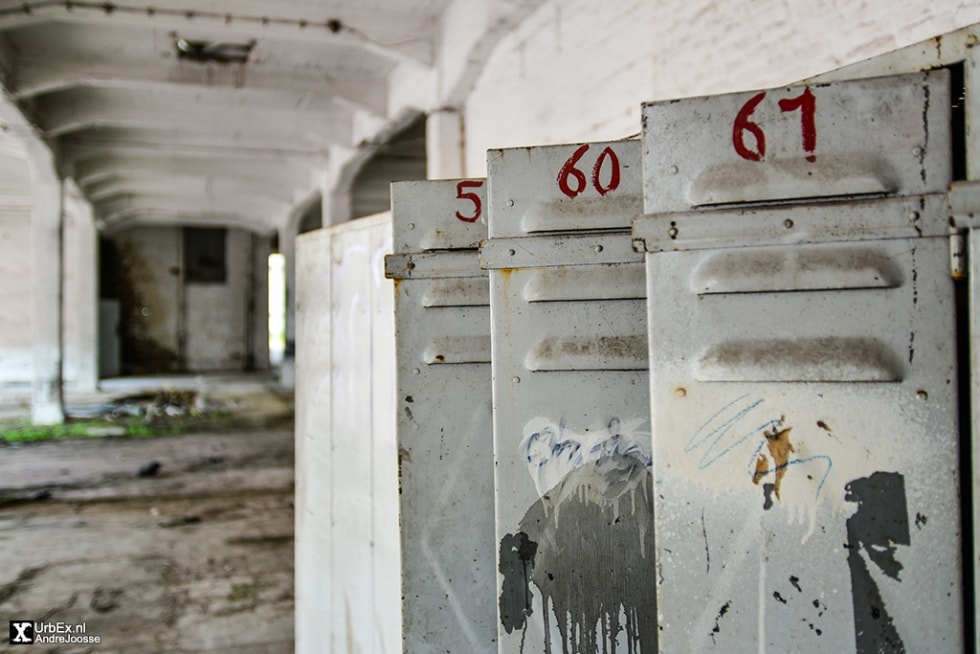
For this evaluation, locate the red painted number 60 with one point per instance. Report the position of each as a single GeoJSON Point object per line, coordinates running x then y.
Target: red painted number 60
{"type": "Point", "coordinates": [569, 174]}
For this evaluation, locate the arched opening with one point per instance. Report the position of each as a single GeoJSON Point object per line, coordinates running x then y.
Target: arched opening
{"type": "Point", "coordinates": [401, 158]}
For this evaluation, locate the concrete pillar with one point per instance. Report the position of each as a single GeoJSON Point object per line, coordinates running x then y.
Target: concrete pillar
{"type": "Point", "coordinates": [47, 407]}
{"type": "Point", "coordinates": [81, 293]}
{"type": "Point", "coordinates": [444, 145]}
{"type": "Point", "coordinates": [261, 248]}
{"type": "Point", "coordinates": [287, 246]}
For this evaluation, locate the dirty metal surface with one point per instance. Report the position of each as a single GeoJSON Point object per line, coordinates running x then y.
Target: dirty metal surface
{"type": "Point", "coordinates": [571, 406]}
{"type": "Point", "coordinates": [868, 137]}
{"type": "Point", "coordinates": [444, 424]}
{"type": "Point", "coordinates": [903, 217]}
{"type": "Point", "coordinates": [565, 188]}
{"type": "Point", "coordinates": [804, 406]}
{"type": "Point", "coordinates": [347, 597]}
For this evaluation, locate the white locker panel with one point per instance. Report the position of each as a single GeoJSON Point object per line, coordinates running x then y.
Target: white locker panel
{"type": "Point", "coordinates": [871, 137]}
{"type": "Point", "coordinates": [571, 406]}
{"type": "Point", "coordinates": [803, 389]}
{"type": "Point", "coordinates": [347, 599]}
{"type": "Point", "coordinates": [445, 429]}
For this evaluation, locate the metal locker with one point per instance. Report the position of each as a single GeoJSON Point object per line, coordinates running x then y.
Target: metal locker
{"type": "Point", "coordinates": [571, 407]}
{"type": "Point", "coordinates": [804, 385]}
{"type": "Point", "coordinates": [444, 424]}
{"type": "Point", "coordinates": [347, 597]}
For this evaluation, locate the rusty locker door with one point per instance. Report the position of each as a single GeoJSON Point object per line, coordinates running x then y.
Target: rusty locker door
{"type": "Point", "coordinates": [804, 389]}
{"type": "Point", "coordinates": [444, 423]}
{"type": "Point", "coordinates": [571, 405]}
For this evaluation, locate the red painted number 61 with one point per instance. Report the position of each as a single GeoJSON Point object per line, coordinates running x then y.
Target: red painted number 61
{"type": "Point", "coordinates": [805, 102]}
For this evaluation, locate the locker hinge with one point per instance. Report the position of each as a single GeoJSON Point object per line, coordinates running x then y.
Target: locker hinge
{"type": "Point", "coordinates": [957, 256]}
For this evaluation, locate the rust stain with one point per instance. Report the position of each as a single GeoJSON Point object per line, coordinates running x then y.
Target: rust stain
{"type": "Point", "coordinates": [403, 456]}
{"type": "Point", "coordinates": [780, 449]}
{"type": "Point", "coordinates": [761, 469]}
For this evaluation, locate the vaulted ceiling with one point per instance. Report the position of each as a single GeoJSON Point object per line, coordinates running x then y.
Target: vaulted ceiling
{"type": "Point", "coordinates": [215, 111]}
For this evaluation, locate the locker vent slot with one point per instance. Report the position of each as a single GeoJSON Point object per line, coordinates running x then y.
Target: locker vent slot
{"type": "Point", "coordinates": [436, 238]}
{"type": "Point", "coordinates": [570, 283]}
{"type": "Point", "coordinates": [801, 360]}
{"type": "Point", "coordinates": [795, 269]}
{"type": "Point", "coordinates": [458, 349]}
{"type": "Point", "coordinates": [463, 292]}
{"type": "Point", "coordinates": [830, 176]}
{"type": "Point", "coordinates": [610, 212]}
{"type": "Point", "coordinates": [589, 353]}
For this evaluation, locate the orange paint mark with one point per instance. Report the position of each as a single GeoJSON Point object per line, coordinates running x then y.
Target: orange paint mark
{"type": "Point", "coordinates": [780, 449]}
{"type": "Point", "coordinates": [761, 469]}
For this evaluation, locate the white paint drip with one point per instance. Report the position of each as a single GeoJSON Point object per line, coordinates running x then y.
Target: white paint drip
{"type": "Point", "coordinates": [762, 600]}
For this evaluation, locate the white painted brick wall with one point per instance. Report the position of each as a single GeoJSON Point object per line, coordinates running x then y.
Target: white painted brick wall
{"type": "Point", "coordinates": [578, 71]}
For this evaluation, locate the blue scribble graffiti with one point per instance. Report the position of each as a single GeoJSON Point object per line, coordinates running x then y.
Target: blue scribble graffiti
{"type": "Point", "coordinates": [724, 432]}
{"type": "Point", "coordinates": [551, 450]}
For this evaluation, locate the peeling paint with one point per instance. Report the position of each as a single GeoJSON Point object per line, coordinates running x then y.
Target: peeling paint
{"type": "Point", "coordinates": [587, 544]}
{"type": "Point", "coordinates": [516, 563]}
{"type": "Point", "coordinates": [590, 541]}
{"type": "Point", "coordinates": [873, 532]}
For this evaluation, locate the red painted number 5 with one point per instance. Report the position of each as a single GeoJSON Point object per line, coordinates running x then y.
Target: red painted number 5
{"type": "Point", "coordinates": [472, 197]}
{"type": "Point", "coordinates": [569, 175]}
{"type": "Point", "coordinates": [807, 105]}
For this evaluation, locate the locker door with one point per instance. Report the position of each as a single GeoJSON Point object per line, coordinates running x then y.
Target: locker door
{"type": "Point", "coordinates": [571, 408]}
{"type": "Point", "coordinates": [803, 388]}
{"type": "Point", "coordinates": [444, 428]}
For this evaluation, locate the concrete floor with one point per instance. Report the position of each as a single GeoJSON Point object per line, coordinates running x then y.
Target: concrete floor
{"type": "Point", "coordinates": [197, 557]}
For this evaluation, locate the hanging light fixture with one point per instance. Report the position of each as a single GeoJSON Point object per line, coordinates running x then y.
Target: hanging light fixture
{"type": "Point", "coordinates": [207, 51]}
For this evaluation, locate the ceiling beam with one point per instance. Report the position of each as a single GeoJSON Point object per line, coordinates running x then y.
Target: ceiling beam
{"type": "Point", "coordinates": [81, 152]}
{"type": "Point", "coordinates": [357, 90]}
{"type": "Point", "coordinates": [121, 175]}
{"type": "Point", "coordinates": [121, 206]}
{"type": "Point", "coordinates": [188, 186]}
{"type": "Point", "coordinates": [236, 25]}
{"type": "Point", "coordinates": [71, 111]}
{"type": "Point", "coordinates": [92, 169]}
{"type": "Point", "coordinates": [150, 218]}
